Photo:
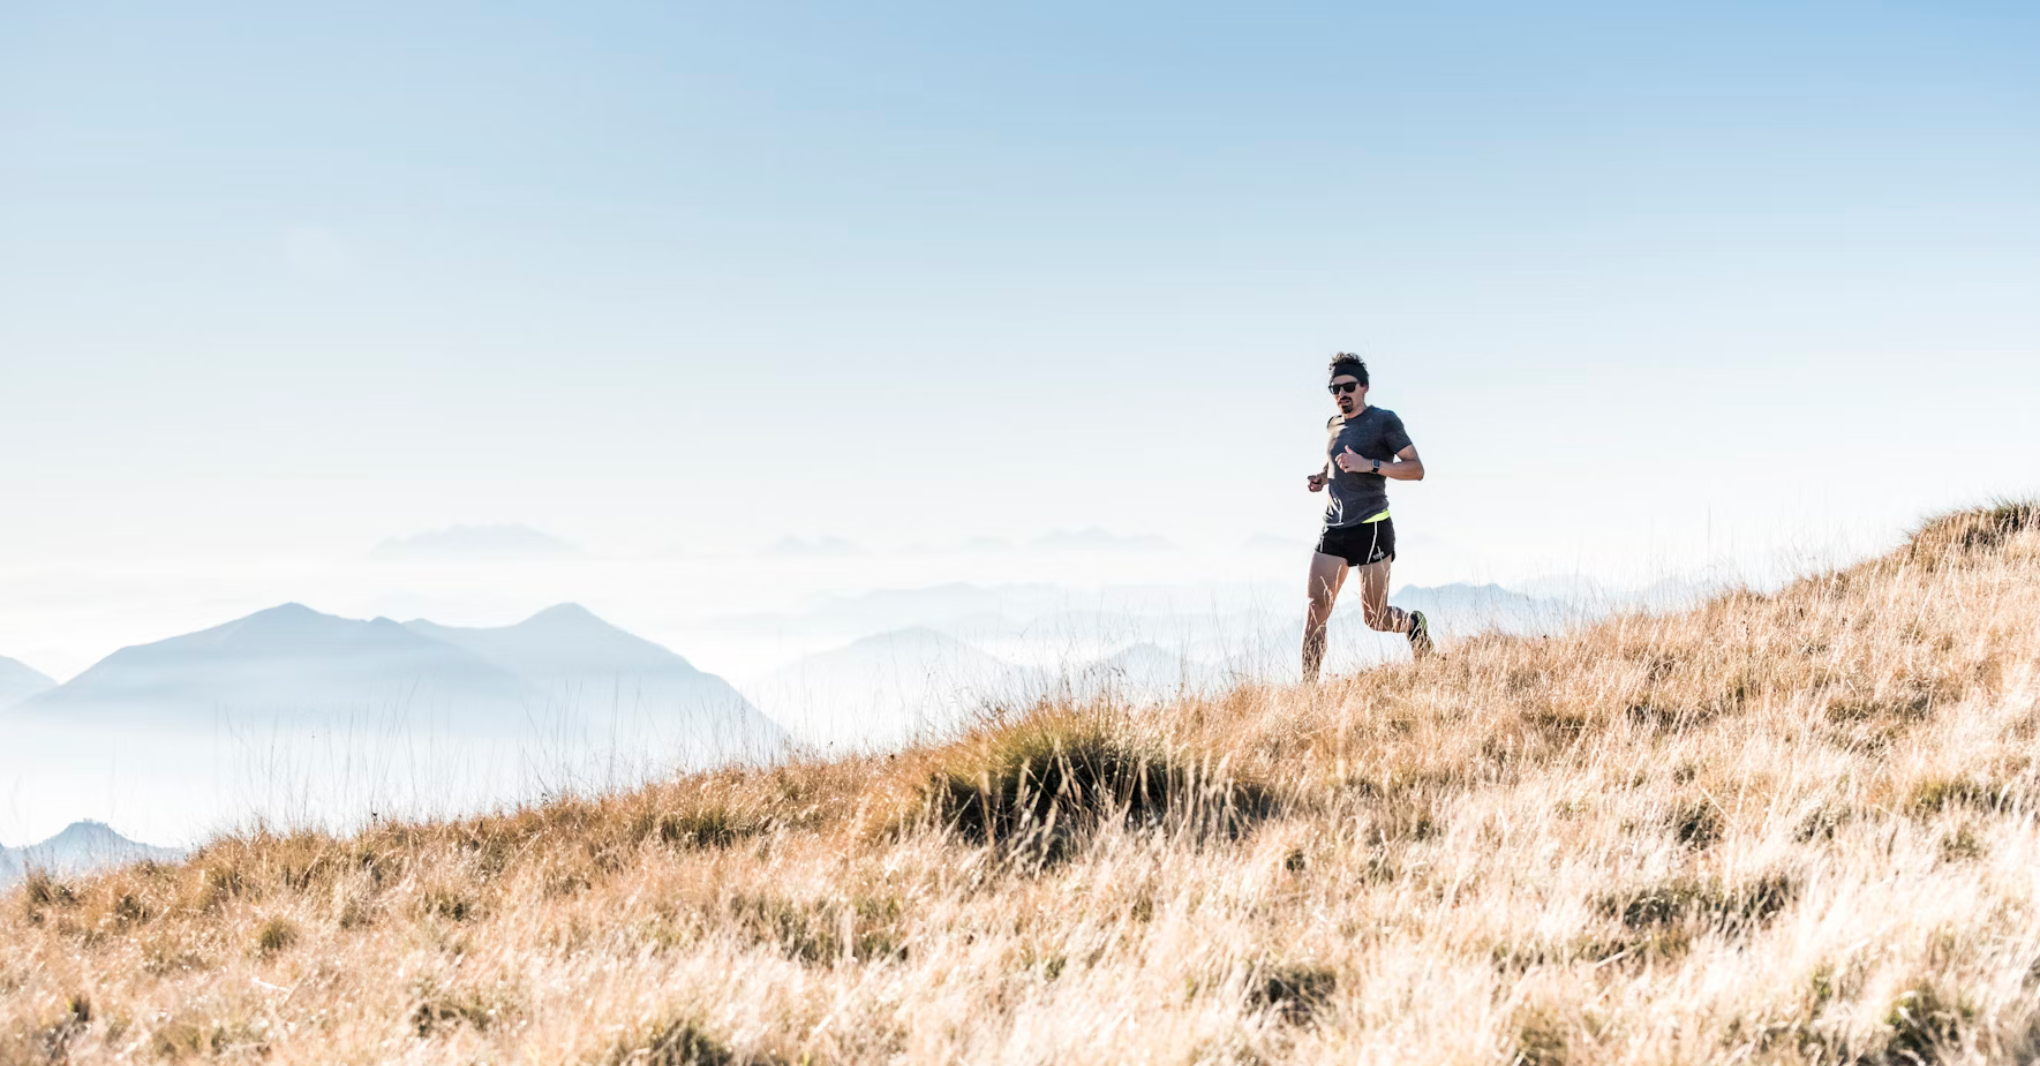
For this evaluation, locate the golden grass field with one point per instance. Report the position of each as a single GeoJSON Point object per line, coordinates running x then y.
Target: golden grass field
{"type": "Point", "coordinates": [1795, 827]}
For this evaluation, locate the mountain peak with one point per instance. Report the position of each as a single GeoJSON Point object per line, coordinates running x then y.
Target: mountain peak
{"type": "Point", "coordinates": [565, 638]}
{"type": "Point", "coordinates": [287, 620]}
{"type": "Point", "coordinates": [565, 619]}
{"type": "Point", "coordinates": [18, 681]}
{"type": "Point", "coordinates": [81, 847]}
{"type": "Point", "coordinates": [284, 611]}
{"type": "Point", "coordinates": [565, 612]}
{"type": "Point", "coordinates": [86, 830]}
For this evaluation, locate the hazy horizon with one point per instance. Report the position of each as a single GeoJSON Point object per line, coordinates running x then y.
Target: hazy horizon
{"type": "Point", "coordinates": [839, 670]}
{"type": "Point", "coordinates": [59, 620]}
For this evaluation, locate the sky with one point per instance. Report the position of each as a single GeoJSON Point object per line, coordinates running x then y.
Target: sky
{"type": "Point", "coordinates": [1653, 287]}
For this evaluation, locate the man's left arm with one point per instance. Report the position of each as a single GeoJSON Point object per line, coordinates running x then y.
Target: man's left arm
{"type": "Point", "coordinates": [1406, 466]}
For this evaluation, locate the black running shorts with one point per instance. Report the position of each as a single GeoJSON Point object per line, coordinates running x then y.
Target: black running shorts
{"type": "Point", "coordinates": [1368, 542]}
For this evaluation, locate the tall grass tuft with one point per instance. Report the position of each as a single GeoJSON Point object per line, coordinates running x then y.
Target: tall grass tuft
{"type": "Point", "coordinates": [1058, 774]}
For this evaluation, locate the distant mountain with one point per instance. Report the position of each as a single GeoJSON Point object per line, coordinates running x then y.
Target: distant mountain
{"type": "Point", "coordinates": [886, 689]}
{"type": "Point", "coordinates": [82, 847]}
{"type": "Point", "coordinates": [565, 640]}
{"type": "Point", "coordinates": [1565, 588]}
{"type": "Point", "coordinates": [1592, 598]}
{"type": "Point", "coordinates": [480, 543]}
{"type": "Point", "coordinates": [563, 666]}
{"type": "Point", "coordinates": [287, 660]}
{"type": "Point", "coordinates": [1461, 609]}
{"type": "Point", "coordinates": [889, 688]}
{"type": "Point", "coordinates": [571, 657]}
{"type": "Point", "coordinates": [1144, 673]}
{"type": "Point", "coordinates": [18, 681]}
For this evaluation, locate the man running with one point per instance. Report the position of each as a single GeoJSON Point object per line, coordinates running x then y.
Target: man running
{"type": "Point", "coordinates": [1366, 447]}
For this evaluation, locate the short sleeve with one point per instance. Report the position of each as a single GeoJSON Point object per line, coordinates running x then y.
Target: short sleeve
{"type": "Point", "coordinates": [1393, 435]}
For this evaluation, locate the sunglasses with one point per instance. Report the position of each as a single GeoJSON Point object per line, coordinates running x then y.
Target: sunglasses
{"type": "Point", "coordinates": [1340, 389]}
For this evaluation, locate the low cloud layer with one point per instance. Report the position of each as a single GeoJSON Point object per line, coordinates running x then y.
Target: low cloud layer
{"type": "Point", "coordinates": [497, 543]}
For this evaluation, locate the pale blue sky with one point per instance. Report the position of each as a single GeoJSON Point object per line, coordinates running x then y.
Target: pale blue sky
{"type": "Point", "coordinates": [278, 283]}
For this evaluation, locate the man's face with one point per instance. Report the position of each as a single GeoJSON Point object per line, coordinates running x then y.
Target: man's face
{"type": "Point", "coordinates": [1348, 393]}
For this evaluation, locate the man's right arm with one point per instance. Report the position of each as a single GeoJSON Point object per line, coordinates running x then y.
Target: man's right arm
{"type": "Point", "coordinates": [1317, 481]}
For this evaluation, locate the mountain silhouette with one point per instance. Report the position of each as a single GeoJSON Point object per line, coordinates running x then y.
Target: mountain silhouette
{"type": "Point", "coordinates": [81, 847]}
{"type": "Point", "coordinates": [883, 689]}
{"type": "Point", "coordinates": [1462, 609]}
{"type": "Point", "coordinates": [1143, 672]}
{"type": "Point", "coordinates": [18, 681]}
{"type": "Point", "coordinates": [567, 655]}
{"type": "Point", "coordinates": [563, 666]}
{"type": "Point", "coordinates": [285, 660]}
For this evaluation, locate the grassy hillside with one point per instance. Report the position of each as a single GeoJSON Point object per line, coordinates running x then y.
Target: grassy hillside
{"type": "Point", "coordinates": [1796, 827]}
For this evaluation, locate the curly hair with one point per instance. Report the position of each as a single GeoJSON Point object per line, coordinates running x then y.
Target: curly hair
{"type": "Point", "coordinates": [1348, 363]}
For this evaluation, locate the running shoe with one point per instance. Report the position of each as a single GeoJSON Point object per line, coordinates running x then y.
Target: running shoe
{"type": "Point", "coordinates": [1420, 635]}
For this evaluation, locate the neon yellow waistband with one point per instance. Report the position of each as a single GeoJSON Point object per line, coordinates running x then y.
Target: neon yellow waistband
{"type": "Point", "coordinates": [1383, 515]}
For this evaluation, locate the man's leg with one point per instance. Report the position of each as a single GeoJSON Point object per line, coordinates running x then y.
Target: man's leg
{"type": "Point", "coordinates": [1327, 574]}
{"type": "Point", "coordinates": [1374, 600]}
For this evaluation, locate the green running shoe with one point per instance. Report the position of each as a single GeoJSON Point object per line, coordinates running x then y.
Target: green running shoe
{"type": "Point", "coordinates": [1420, 635]}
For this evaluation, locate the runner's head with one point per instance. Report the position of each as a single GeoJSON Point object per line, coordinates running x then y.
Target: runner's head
{"type": "Point", "coordinates": [1349, 383]}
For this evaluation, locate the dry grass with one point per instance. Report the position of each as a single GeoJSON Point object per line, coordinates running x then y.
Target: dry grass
{"type": "Point", "coordinates": [1794, 828]}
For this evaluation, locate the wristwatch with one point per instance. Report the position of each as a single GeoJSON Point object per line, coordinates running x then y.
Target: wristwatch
{"type": "Point", "coordinates": [1377, 466]}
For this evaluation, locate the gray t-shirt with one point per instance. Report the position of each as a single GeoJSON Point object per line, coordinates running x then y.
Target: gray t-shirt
{"type": "Point", "coordinates": [1376, 433]}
